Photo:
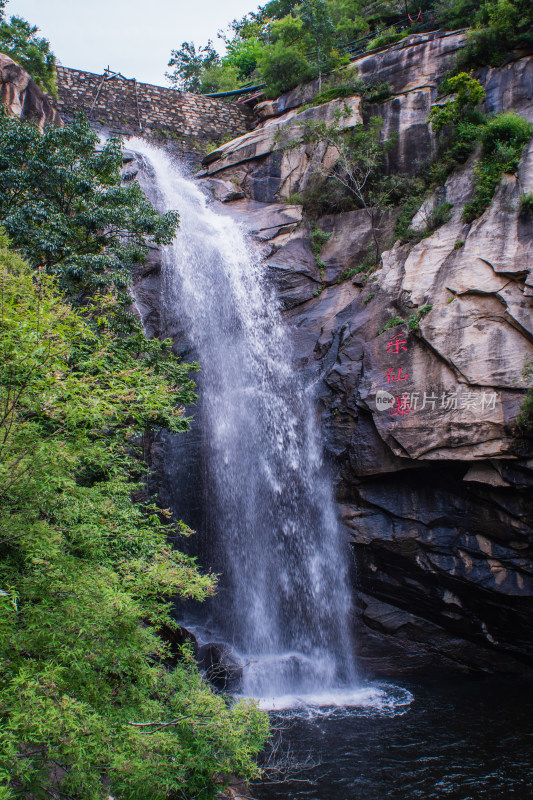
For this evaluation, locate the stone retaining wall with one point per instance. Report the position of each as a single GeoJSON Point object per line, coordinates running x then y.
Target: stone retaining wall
{"type": "Point", "coordinates": [132, 108]}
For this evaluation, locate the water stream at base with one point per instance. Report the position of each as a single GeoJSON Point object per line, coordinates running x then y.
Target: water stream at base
{"type": "Point", "coordinates": [283, 602]}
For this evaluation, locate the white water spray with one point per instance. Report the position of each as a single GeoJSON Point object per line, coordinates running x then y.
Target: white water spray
{"type": "Point", "coordinates": [283, 601]}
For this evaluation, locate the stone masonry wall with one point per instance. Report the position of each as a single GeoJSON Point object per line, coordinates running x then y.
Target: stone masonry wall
{"type": "Point", "coordinates": [132, 108]}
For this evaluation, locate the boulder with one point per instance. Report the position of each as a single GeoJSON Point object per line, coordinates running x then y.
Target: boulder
{"type": "Point", "coordinates": [22, 96]}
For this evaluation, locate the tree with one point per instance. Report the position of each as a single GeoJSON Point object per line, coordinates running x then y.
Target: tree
{"type": "Point", "coordinates": [360, 155]}
{"type": "Point", "coordinates": [189, 64]}
{"type": "Point", "coordinates": [467, 94]}
{"type": "Point", "coordinates": [276, 9]}
{"type": "Point", "coordinates": [63, 204]}
{"type": "Point", "coordinates": [89, 702]}
{"type": "Point", "coordinates": [88, 706]}
{"type": "Point", "coordinates": [243, 54]}
{"type": "Point", "coordinates": [19, 40]}
{"type": "Point", "coordinates": [283, 68]}
{"type": "Point", "coordinates": [320, 33]}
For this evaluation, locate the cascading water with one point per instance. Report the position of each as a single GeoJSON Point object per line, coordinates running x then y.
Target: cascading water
{"type": "Point", "coordinates": [283, 601]}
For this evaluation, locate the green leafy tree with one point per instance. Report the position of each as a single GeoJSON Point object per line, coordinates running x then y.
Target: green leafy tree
{"type": "Point", "coordinates": [320, 34]}
{"type": "Point", "coordinates": [243, 54]}
{"type": "Point", "coordinates": [503, 139]}
{"type": "Point", "coordinates": [283, 68]}
{"type": "Point", "coordinates": [467, 93]}
{"type": "Point", "coordinates": [277, 9]}
{"type": "Point", "coordinates": [500, 26]}
{"type": "Point", "coordinates": [360, 153]}
{"type": "Point", "coordinates": [63, 204]}
{"type": "Point", "coordinates": [189, 65]}
{"type": "Point", "coordinates": [348, 20]}
{"type": "Point", "coordinates": [19, 40]}
{"type": "Point", "coordinates": [88, 706]}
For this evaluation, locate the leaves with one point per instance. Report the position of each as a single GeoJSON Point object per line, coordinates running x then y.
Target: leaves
{"type": "Point", "coordinates": [63, 205]}
{"type": "Point", "coordinates": [87, 577]}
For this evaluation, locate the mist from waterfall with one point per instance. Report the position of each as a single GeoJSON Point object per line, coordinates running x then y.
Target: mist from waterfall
{"type": "Point", "coordinates": [283, 602]}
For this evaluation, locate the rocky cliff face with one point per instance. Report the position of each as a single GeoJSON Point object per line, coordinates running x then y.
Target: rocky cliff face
{"type": "Point", "coordinates": [433, 479]}
{"type": "Point", "coordinates": [22, 96]}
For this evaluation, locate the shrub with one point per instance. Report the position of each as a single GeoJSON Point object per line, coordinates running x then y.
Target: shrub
{"type": "Point", "coordinates": [413, 323]}
{"type": "Point", "coordinates": [391, 323]}
{"type": "Point", "coordinates": [525, 417]}
{"type": "Point", "coordinates": [389, 36]}
{"type": "Point", "coordinates": [440, 216]}
{"type": "Point", "coordinates": [526, 202]}
{"type": "Point", "coordinates": [370, 92]}
{"type": "Point", "coordinates": [504, 137]}
{"type": "Point", "coordinates": [467, 91]}
{"type": "Point", "coordinates": [283, 68]}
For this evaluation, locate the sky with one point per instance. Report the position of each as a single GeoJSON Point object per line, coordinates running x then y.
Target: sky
{"type": "Point", "coordinates": [133, 37]}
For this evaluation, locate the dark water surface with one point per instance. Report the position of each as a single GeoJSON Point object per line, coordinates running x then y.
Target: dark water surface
{"type": "Point", "coordinates": [462, 740]}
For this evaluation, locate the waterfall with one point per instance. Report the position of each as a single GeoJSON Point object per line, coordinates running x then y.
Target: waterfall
{"type": "Point", "coordinates": [283, 602]}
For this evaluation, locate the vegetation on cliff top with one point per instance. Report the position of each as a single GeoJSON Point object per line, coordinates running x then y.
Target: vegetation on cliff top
{"type": "Point", "coordinates": [92, 700]}
{"type": "Point", "coordinates": [19, 40]}
{"type": "Point", "coordinates": [287, 42]}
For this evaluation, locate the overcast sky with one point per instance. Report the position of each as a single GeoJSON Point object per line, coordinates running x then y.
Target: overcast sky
{"type": "Point", "coordinates": [133, 37]}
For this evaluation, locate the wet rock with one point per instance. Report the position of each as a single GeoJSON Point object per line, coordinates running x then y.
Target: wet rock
{"type": "Point", "coordinates": [221, 666]}
{"type": "Point", "coordinates": [223, 191]}
{"type": "Point", "coordinates": [436, 501]}
{"type": "Point", "coordinates": [294, 270]}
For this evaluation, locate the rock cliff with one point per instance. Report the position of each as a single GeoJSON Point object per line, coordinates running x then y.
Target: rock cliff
{"type": "Point", "coordinates": [22, 96]}
{"type": "Point", "coordinates": [419, 368]}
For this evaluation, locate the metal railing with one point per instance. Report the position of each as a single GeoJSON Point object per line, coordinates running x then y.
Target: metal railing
{"type": "Point", "coordinates": [353, 49]}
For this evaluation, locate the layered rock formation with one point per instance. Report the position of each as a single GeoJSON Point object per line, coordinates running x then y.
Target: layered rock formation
{"type": "Point", "coordinates": [22, 96]}
{"type": "Point", "coordinates": [419, 368]}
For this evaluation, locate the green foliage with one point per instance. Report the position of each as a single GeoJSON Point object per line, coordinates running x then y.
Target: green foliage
{"type": "Point", "coordinates": [360, 155]}
{"type": "Point", "coordinates": [243, 54]}
{"type": "Point", "coordinates": [458, 244]}
{"type": "Point", "coordinates": [320, 33]}
{"type": "Point", "coordinates": [348, 19]}
{"type": "Point", "coordinates": [219, 78]}
{"type": "Point", "coordinates": [346, 83]}
{"type": "Point", "coordinates": [440, 216]}
{"type": "Point", "coordinates": [461, 126]}
{"type": "Point", "coordinates": [526, 202]}
{"type": "Point", "coordinates": [346, 275]}
{"type": "Point", "coordinates": [453, 14]}
{"type": "Point", "coordinates": [277, 9]}
{"type": "Point", "coordinates": [467, 91]}
{"type": "Point", "coordinates": [525, 417]}
{"type": "Point", "coordinates": [503, 137]}
{"type": "Point", "coordinates": [413, 323]}
{"type": "Point", "coordinates": [318, 240]}
{"type": "Point", "coordinates": [19, 40]}
{"type": "Point", "coordinates": [391, 323]}
{"type": "Point", "coordinates": [63, 206]}
{"type": "Point", "coordinates": [369, 297]}
{"type": "Point", "coordinates": [500, 26]}
{"type": "Point", "coordinates": [388, 37]}
{"type": "Point", "coordinates": [283, 68]}
{"type": "Point", "coordinates": [189, 65]}
{"type": "Point", "coordinates": [87, 706]}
